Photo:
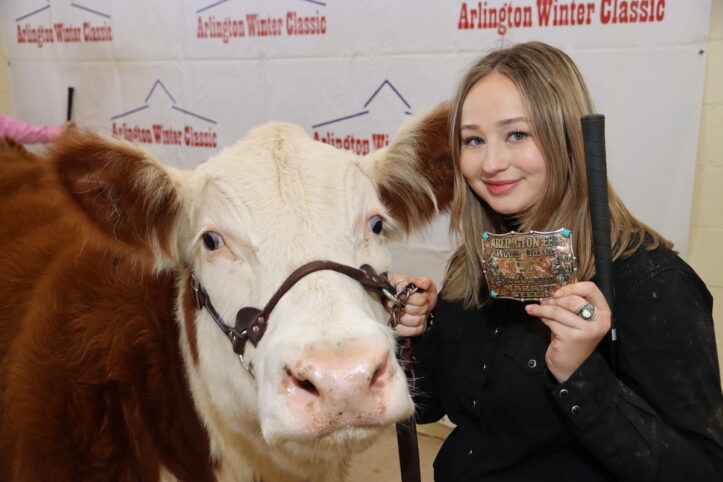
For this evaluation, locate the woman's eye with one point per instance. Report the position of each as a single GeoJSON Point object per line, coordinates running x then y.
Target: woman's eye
{"type": "Point", "coordinates": [473, 141]}
{"type": "Point", "coordinates": [212, 240]}
{"type": "Point", "coordinates": [375, 224]}
{"type": "Point", "coordinates": [518, 136]}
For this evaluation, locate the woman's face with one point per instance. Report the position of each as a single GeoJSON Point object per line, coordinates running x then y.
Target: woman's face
{"type": "Point", "coordinates": [498, 155]}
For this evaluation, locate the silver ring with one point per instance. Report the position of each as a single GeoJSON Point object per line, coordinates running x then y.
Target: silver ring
{"type": "Point", "coordinates": [586, 311]}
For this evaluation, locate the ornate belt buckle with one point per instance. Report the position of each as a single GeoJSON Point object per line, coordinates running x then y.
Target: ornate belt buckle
{"type": "Point", "coordinates": [528, 266]}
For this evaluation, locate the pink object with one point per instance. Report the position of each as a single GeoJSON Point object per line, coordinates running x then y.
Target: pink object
{"type": "Point", "coordinates": [25, 132]}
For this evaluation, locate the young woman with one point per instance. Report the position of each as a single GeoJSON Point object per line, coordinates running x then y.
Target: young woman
{"type": "Point", "coordinates": [529, 386]}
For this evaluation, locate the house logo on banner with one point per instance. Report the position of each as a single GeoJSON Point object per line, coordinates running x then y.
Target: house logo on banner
{"type": "Point", "coordinates": [162, 134]}
{"type": "Point", "coordinates": [89, 23]}
{"type": "Point", "coordinates": [255, 24]}
{"type": "Point", "coordinates": [506, 15]}
{"type": "Point", "coordinates": [331, 130]}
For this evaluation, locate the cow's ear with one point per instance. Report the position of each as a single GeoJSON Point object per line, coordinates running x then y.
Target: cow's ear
{"type": "Point", "coordinates": [414, 174]}
{"type": "Point", "coordinates": [120, 189]}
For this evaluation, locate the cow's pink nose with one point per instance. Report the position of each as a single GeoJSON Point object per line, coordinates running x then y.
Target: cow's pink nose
{"type": "Point", "coordinates": [330, 389]}
{"type": "Point", "coordinates": [350, 377]}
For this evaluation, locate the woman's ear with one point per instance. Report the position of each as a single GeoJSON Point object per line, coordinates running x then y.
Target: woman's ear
{"type": "Point", "coordinates": [414, 174]}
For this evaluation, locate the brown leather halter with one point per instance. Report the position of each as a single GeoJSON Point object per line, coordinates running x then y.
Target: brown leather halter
{"type": "Point", "coordinates": [251, 325]}
{"type": "Point", "coordinates": [251, 322]}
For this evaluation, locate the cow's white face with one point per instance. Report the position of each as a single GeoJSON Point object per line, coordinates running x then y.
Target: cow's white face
{"type": "Point", "coordinates": [325, 370]}
{"type": "Point", "coordinates": [325, 378]}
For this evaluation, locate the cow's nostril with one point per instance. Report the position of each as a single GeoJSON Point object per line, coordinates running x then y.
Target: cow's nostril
{"type": "Point", "coordinates": [305, 385]}
{"type": "Point", "coordinates": [379, 372]}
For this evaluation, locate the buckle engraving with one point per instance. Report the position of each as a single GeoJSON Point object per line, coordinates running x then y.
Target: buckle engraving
{"type": "Point", "coordinates": [528, 266]}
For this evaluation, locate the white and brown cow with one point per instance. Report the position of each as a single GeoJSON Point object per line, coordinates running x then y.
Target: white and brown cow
{"type": "Point", "coordinates": [108, 368]}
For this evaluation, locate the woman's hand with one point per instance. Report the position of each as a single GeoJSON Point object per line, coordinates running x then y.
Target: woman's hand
{"type": "Point", "coordinates": [415, 315]}
{"type": "Point", "coordinates": [573, 338]}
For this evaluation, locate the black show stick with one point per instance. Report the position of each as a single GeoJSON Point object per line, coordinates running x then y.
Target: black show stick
{"type": "Point", "coordinates": [593, 133]}
{"type": "Point", "coordinates": [69, 114]}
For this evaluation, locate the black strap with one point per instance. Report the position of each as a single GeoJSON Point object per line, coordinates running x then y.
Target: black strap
{"type": "Point", "coordinates": [408, 446]}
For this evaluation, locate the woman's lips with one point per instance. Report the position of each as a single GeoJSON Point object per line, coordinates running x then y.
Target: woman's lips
{"type": "Point", "coordinates": [500, 187]}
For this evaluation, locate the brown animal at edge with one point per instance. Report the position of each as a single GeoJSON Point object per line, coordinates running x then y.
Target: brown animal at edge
{"type": "Point", "coordinates": [91, 371]}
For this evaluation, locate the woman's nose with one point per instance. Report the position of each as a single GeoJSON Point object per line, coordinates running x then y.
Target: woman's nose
{"type": "Point", "coordinates": [494, 161]}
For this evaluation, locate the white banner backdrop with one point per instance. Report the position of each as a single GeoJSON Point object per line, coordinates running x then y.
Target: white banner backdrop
{"type": "Point", "coordinates": [186, 78]}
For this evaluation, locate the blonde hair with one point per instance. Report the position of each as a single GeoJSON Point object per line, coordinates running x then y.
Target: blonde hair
{"type": "Point", "coordinates": [555, 97]}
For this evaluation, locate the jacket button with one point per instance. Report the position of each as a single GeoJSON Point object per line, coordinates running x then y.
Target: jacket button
{"type": "Point", "coordinates": [532, 363]}
{"type": "Point", "coordinates": [564, 393]}
{"type": "Point", "coordinates": [470, 452]}
{"type": "Point", "coordinates": [484, 365]}
{"type": "Point", "coordinates": [497, 330]}
{"type": "Point", "coordinates": [575, 410]}
{"type": "Point", "coordinates": [474, 403]}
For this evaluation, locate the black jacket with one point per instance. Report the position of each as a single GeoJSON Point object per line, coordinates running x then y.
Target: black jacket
{"type": "Point", "coordinates": [659, 419]}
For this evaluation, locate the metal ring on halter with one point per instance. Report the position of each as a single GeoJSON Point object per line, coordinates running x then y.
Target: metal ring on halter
{"type": "Point", "coordinates": [586, 311]}
{"type": "Point", "coordinates": [392, 297]}
{"type": "Point", "coordinates": [396, 285]}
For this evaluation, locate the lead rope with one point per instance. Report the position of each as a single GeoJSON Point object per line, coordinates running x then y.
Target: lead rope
{"type": "Point", "coordinates": [406, 430]}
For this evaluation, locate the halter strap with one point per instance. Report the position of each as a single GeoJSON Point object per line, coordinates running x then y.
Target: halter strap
{"type": "Point", "coordinates": [251, 322]}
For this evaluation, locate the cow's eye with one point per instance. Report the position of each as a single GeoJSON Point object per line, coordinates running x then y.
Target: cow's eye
{"type": "Point", "coordinates": [212, 241]}
{"type": "Point", "coordinates": [375, 224]}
